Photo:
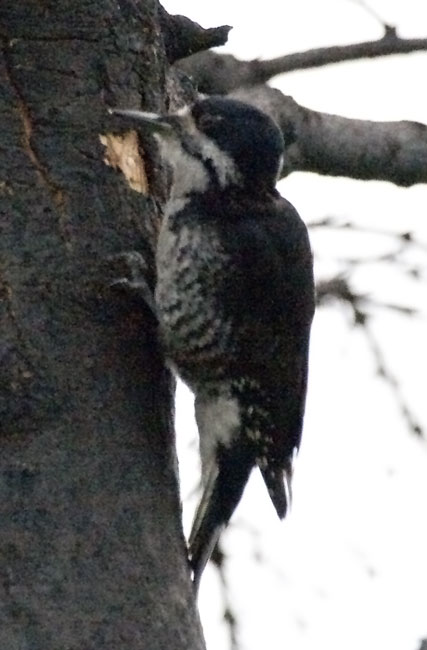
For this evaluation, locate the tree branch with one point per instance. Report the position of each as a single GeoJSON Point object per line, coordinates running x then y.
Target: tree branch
{"type": "Point", "coordinates": [390, 43]}
{"type": "Point", "coordinates": [219, 73]}
{"type": "Point", "coordinates": [339, 146]}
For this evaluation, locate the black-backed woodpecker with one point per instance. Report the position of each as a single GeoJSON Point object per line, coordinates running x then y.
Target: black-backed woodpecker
{"type": "Point", "coordinates": [234, 301]}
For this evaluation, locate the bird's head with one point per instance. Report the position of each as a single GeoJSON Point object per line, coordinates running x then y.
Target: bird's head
{"type": "Point", "coordinates": [215, 143]}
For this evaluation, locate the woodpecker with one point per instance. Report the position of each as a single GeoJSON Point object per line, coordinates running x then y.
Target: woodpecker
{"type": "Point", "coordinates": [234, 301]}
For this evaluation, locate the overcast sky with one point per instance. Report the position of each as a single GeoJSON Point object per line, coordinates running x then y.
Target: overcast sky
{"type": "Point", "coordinates": [348, 568]}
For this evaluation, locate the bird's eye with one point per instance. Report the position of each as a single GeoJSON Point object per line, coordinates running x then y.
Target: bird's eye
{"type": "Point", "coordinates": [208, 121]}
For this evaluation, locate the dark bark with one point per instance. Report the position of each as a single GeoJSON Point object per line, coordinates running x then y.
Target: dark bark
{"type": "Point", "coordinates": [91, 544]}
{"type": "Point", "coordinates": [183, 37]}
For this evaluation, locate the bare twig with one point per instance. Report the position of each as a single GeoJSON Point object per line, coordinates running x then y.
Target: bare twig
{"type": "Point", "coordinates": [218, 558]}
{"type": "Point", "coordinates": [374, 14]}
{"type": "Point", "coordinates": [391, 379]}
{"type": "Point", "coordinates": [399, 243]}
{"type": "Point", "coordinates": [339, 288]}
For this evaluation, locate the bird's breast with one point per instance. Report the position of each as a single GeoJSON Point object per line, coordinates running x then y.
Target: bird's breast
{"type": "Point", "coordinates": [190, 267]}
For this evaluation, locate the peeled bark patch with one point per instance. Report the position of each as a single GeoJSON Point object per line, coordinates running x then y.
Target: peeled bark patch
{"type": "Point", "coordinates": [122, 152]}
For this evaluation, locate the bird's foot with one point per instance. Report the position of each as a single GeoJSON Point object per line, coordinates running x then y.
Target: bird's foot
{"type": "Point", "coordinates": [131, 274]}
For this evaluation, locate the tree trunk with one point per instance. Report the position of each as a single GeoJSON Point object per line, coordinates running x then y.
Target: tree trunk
{"type": "Point", "coordinates": [91, 545]}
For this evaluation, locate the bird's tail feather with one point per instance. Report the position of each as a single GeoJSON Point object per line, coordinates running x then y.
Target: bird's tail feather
{"type": "Point", "coordinates": [222, 490]}
{"type": "Point", "coordinates": [279, 485]}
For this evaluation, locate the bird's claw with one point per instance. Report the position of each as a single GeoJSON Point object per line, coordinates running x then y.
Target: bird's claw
{"type": "Point", "coordinates": [132, 271]}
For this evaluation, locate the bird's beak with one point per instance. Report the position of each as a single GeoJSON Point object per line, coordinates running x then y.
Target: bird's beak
{"type": "Point", "coordinates": [152, 122]}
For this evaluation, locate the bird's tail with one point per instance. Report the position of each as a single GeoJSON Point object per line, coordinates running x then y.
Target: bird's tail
{"type": "Point", "coordinates": [222, 490]}
{"type": "Point", "coordinates": [278, 481]}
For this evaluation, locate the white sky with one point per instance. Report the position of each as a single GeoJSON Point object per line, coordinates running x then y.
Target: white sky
{"type": "Point", "coordinates": [348, 568]}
